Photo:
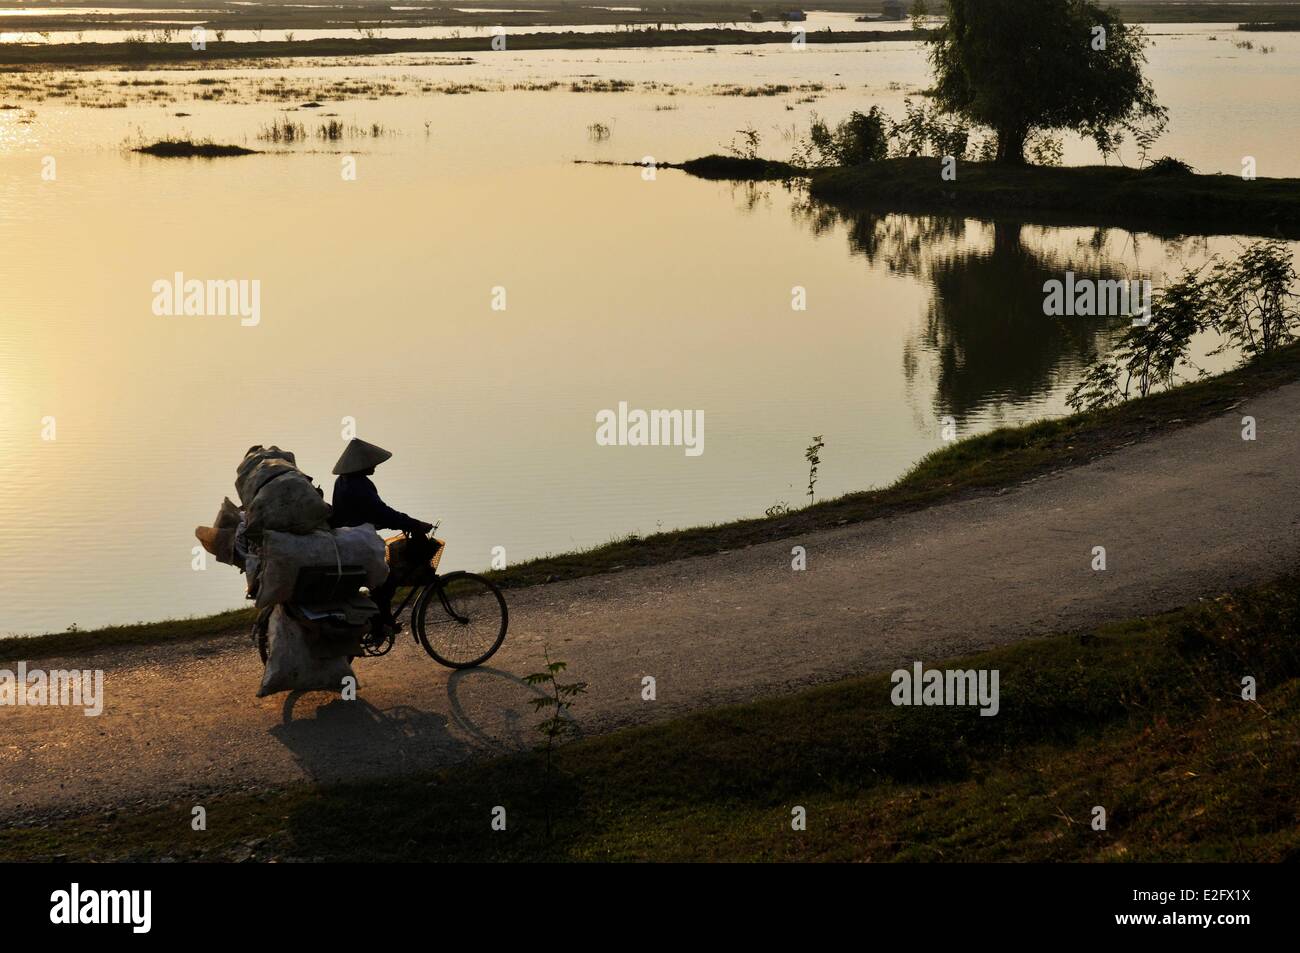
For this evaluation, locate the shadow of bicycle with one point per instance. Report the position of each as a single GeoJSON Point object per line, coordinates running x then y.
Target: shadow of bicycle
{"type": "Point", "coordinates": [352, 740]}
{"type": "Point", "coordinates": [413, 812]}
{"type": "Point", "coordinates": [489, 712]}
{"type": "Point", "coordinates": [496, 710]}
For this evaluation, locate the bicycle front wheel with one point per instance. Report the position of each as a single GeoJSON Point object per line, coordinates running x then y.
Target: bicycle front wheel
{"type": "Point", "coordinates": [460, 619]}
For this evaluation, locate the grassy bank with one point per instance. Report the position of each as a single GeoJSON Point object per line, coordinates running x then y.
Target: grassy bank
{"type": "Point", "coordinates": [174, 54]}
{"type": "Point", "coordinates": [1072, 195]}
{"type": "Point", "coordinates": [978, 464]}
{"type": "Point", "coordinates": [1144, 718]}
{"type": "Point", "coordinates": [78, 642]}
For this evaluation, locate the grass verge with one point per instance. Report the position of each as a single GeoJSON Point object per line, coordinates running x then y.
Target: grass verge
{"type": "Point", "coordinates": [77, 642]}
{"type": "Point", "coordinates": [1144, 718]}
{"type": "Point", "coordinates": [984, 463]}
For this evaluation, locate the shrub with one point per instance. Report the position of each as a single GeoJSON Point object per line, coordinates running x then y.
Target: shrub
{"type": "Point", "coordinates": [1168, 165]}
{"type": "Point", "coordinates": [1257, 314]}
{"type": "Point", "coordinates": [1247, 300]}
{"type": "Point", "coordinates": [862, 138]}
{"type": "Point", "coordinates": [1148, 355]}
{"type": "Point", "coordinates": [873, 136]}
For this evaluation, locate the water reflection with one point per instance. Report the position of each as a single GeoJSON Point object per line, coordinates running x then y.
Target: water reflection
{"type": "Point", "coordinates": [984, 341]}
{"type": "Point", "coordinates": [986, 329]}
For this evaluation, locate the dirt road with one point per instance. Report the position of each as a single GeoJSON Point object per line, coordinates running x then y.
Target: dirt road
{"type": "Point", "coordinates": [1181, 516]}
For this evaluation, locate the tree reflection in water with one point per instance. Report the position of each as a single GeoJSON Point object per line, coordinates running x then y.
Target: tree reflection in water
{"type": "Point", "coordinates": [984, 340]}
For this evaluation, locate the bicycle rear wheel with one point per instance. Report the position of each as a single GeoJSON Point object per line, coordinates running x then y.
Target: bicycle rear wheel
{"type": "Point", "coordinates": [460, 619]}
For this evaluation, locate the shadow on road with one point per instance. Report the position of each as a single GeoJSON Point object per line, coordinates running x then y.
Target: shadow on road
{"type": "Point", "coordinates": [494, 708]}
{"type": "Point", "coordinates": [423, 816]}
{"type": "Point", "coordinates": [488, 713]}
{"type": "Point", "coordinates": [350, 740]}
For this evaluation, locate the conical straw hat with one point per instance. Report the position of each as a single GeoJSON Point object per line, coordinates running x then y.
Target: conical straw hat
{"type": "Point", "coordinates": [359, 456]}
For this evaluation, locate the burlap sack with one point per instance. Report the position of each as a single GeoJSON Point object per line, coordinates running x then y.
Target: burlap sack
{"type": "Point", "coordinates": [284, 554]}
{"type": "Point", "coordinates": [259, 466]}
{"type": "Point", "coordinates": [287, 504]}
{"type": "Point", "coordinates": [219, 542]}
{"type": "Point", "coordinates": [291, 664]}
{"type": "Point", "coordinates": [228, 516]}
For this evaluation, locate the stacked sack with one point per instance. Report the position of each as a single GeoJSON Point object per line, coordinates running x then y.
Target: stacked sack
{"type": "Point", "coordinates": [220, 538]}
{"type": "Point", "coordinates": [281, 528]}
{"type": "Point", "coordinates": [277, 496]}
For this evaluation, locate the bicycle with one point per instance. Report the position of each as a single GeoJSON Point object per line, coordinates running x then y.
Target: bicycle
{"type": "Point", "coordinates": [460, 619]}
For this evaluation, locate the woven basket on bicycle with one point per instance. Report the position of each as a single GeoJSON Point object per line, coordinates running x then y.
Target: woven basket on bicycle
{"type": "Point", "coordinates": [413, 560]}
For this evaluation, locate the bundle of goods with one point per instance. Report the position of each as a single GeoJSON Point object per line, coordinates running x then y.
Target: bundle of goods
{"type": "Point", "coordinates": [285, 555]}
{"type": "Point", "coordinates": [219, 538]}
{"type": "Point", "coordinates": [276, 495]}
{"type": "Point", "coordinates": [304, 575]}
{"type": "Point", "coordinates": [292, 664]}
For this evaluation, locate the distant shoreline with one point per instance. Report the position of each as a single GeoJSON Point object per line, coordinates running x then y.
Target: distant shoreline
{"type": "Point", "coordinates": [278, 17]}
{"type": "Point", "coordinates": [178, 53]}
{"type": "Point", "coordinates": [634, 30]}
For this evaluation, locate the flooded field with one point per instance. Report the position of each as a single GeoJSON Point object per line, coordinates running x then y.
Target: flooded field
{"type": "Point", "coordinates": [472, 298]}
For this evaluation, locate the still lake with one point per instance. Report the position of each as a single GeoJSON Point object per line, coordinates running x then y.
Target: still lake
{"type": "Point", "coordinates": [377, 293]}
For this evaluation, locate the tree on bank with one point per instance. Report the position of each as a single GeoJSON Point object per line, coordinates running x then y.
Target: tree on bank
{"type": "Point", "coordinates": [1022, 66]}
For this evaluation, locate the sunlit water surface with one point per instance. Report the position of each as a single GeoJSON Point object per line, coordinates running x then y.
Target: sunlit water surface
{"type": "Point", "coordinates": [376, 302]}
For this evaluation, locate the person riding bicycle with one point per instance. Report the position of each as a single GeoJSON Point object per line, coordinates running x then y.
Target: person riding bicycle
{"type": "Point", "coordinates": [356, 501]}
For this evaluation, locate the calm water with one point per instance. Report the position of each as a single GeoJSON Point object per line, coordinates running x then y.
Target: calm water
{"type": "Point", "coordinates": [376, 302]}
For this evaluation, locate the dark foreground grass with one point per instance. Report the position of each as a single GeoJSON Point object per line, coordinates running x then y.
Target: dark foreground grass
{"type": "Point", "coordinates": [1144, 718]}
{"type": "Point", "coordinates": [979, 464]}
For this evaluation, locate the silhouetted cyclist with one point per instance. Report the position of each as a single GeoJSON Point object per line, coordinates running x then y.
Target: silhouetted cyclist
{"type": "Point", "coordinates": [356, 501]}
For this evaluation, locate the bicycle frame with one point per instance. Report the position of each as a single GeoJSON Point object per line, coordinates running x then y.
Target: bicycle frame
{"type": "Point", "coordinates": [410, 594]}
{"type": "Point", "coordinates": [412, 590]}
{"type": "Point", "coordinates": [442, 597]}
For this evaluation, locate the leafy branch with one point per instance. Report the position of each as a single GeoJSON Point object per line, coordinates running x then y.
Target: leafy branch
{"type": "Point", "coordinates": [558, 700]}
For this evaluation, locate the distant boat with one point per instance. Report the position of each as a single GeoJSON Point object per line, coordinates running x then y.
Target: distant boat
{"type": "Point", "coordinates": [794, 16]}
